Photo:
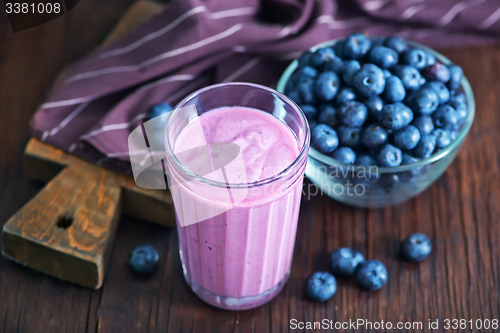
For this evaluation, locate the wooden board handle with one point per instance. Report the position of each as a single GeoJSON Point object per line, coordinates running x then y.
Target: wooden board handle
{"type": "Point", "coordinates": [66, 229]}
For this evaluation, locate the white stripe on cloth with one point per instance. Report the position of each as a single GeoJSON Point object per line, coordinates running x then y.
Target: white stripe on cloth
{"type": "Point", "coordinates": [456, 9]}
{"type": "Point", "coordinates": [492, 19]}
{"type": "Point", "coordinates": [336, 24]}
{"type": "Point", "coordinates": [243, 69]}
{"type": "Point", "coordinates": [65, 121]}
{"type": "Point", "coordinates": [73, 101]}
{"type": "Point", "coordinates": [168, 54]}
{"type": "Point", "coordinates": [175, 23]}
{"type": "Point", "coordinates": [412, 10]}
{"type": "Point", "coordinates": [374, 5]}
{"type": "Point", "coordinates": [65, 102]}
{"type": "Point", "coordinates": [113, 127]}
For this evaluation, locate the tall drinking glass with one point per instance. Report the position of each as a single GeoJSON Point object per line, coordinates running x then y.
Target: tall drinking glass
{"type": "Point", "coordinates": [236, 154]}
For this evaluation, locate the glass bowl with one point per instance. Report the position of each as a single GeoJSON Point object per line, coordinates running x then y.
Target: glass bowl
{"type": "Point", "coordinates": [375, 186]}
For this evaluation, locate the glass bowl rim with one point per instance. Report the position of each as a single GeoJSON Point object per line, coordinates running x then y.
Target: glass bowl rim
{"type": "Point", "coordinates": [467, 90]}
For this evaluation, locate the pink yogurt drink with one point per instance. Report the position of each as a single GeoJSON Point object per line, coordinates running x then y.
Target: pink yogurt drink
{"type": "Point", "coordinates": [236, 155]}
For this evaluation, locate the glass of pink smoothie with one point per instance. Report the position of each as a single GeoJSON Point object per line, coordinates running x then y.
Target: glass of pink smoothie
{"type": "Point", "coordinates": [236, 154]}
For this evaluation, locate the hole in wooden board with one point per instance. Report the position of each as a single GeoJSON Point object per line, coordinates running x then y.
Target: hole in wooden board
{"type": "Point", "coordinates": [64, 222]}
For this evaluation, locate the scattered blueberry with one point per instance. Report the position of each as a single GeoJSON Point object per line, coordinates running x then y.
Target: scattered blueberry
{"type": "Point", "coordinates": [345, 155]}
{"type": "Point", "coordinates": [324, 138]}
{"type": "Point", "coordinates": [321, 286]}
{"type": "Point", "coordinates": [371, 274]}
{"type": "Point", "coordinates": [407, 138]}
{"type": "Point", "coordinates": [143, 259]}
{"type": "Point", "coordinates": [416, 247]}
{"type": "Point", "coordinates": [345, 261]}
{"type": "Point", "coordinates": [390, 156]}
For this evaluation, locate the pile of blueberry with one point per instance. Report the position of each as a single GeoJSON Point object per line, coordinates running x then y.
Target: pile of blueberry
{"type": "Point", "coordinates": [370, 274]}
{"type": "Point", "coordinates": [378, 101]}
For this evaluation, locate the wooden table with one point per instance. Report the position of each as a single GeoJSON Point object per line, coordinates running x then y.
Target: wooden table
{"type": "Point", "coordinates": [460, 212]}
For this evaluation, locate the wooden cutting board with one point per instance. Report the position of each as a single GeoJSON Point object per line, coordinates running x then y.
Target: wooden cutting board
{"type": "Point", "coordinates": [67, 229]}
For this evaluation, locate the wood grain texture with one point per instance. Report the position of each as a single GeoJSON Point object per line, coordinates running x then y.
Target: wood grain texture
{"type": "Point", "coordinates": [68, 228]}
{"type": "Point", "coordinates": [460, 212]}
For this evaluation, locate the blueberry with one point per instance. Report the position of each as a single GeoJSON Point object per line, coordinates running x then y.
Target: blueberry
{"type": "Point", "coordinates": [383, 57]}
{"type": "Point", "coordinates": [409, 75]}
{"type": "Point", "coordinates": [416, 247]}
{"type": "Point", "coordinates": [334, 65]}
{"type": "Point", "coordinates": [327, 86]}
{"type": "Point", "coordinates": [389, 181]}
{"type": "Point", "coordinates": [321, 56]}
{"type": "Point", "coordinates": [437, 72]}
{"type": "Point", "coordinates": [456, 75]}
{"type": "Point", "coordinates": [305, 59]}
{"type": "Point", "coordinates": [356, 46]}
{"type": "Point", "coordinates": [409, 159]}
{"type": "Point", "coordinates": [143, 259]}
{"type": "Point", "coordinates": [425, 147]}
{"type": "Point", "coordinates": [446, 117]}
{"type": "Point", "coordinates": [369, 80]}
{"type": "Point", "coordinates": [415, 57]}
{"type": "Point", "coordinates": [309, 110]}
{"type": "Point", "coordinates": [345, 155]}
{"type": "Point", "coordinates": [161, 109]}
{"type": "Point", "coordinates": [425, 101]}
{"type": "Point", "coordinates": [441, 90]}
{"type": "Point", "coordinates": [353, 113]}
{"type": "Point", "coordinates": [394, 90]}
{"type": "Point", "coordinates": [431, 58]}
{"type": "Point", "coordinates": [324, 138]}
{"type": "Point", "coordinates": [374, 136]}
{"type": "Point", "coordinates": [366, 160]}
{"type": "Point", "coordinates": [345, 94]}
{"type": "Point", "coordinates": [350, 67]}
{"type": "Point", "coordinates": [327, 114]}
{"type": "Point", "coordinates": [396, 116]}
{"type": "Point", "coordinates": [374, 105]}
{"type": "Point", "coordinates": [321, 286]}
{"type": "Point", "coordinates": [312, 123]}
{"type": "Point", "coordinates": [293, 94]}
{"type": "Point", "coordinates": [407, 138]}
{"type": "Point", "coordinates": [371, 274]}
{"type": "Point", "coordinates": [306, 91]}
{"type": "Point", "coordinates": [344, 261]}
{"type": "Point", "coordinates": [350, 136]}
{"type": "Point", "coordinates": [424, 124]}
{"type": "Point", "coordinates": [307, 72]}
{"type": "Point", "coordinates": [443, 137]}
{"type": "Point", "coordinates": [462, 111]}
{"type": "Point", "coordinates": [457, 96]}
{"type": "Point", "coordinates": [396, 43]}
{"type": "Point", "coordinates": [389, 156]}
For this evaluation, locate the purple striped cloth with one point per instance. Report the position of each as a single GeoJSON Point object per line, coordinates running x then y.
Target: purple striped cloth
{"type": "Point", "coordinates": [97, 101]}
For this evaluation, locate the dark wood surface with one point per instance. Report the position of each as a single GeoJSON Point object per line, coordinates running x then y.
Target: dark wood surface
{"type": "Point", "coordinates": [460, 212]}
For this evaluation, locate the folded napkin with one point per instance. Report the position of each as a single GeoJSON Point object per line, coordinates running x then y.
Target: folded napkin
{"type": "Point", "coordinates": [97, 101]}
